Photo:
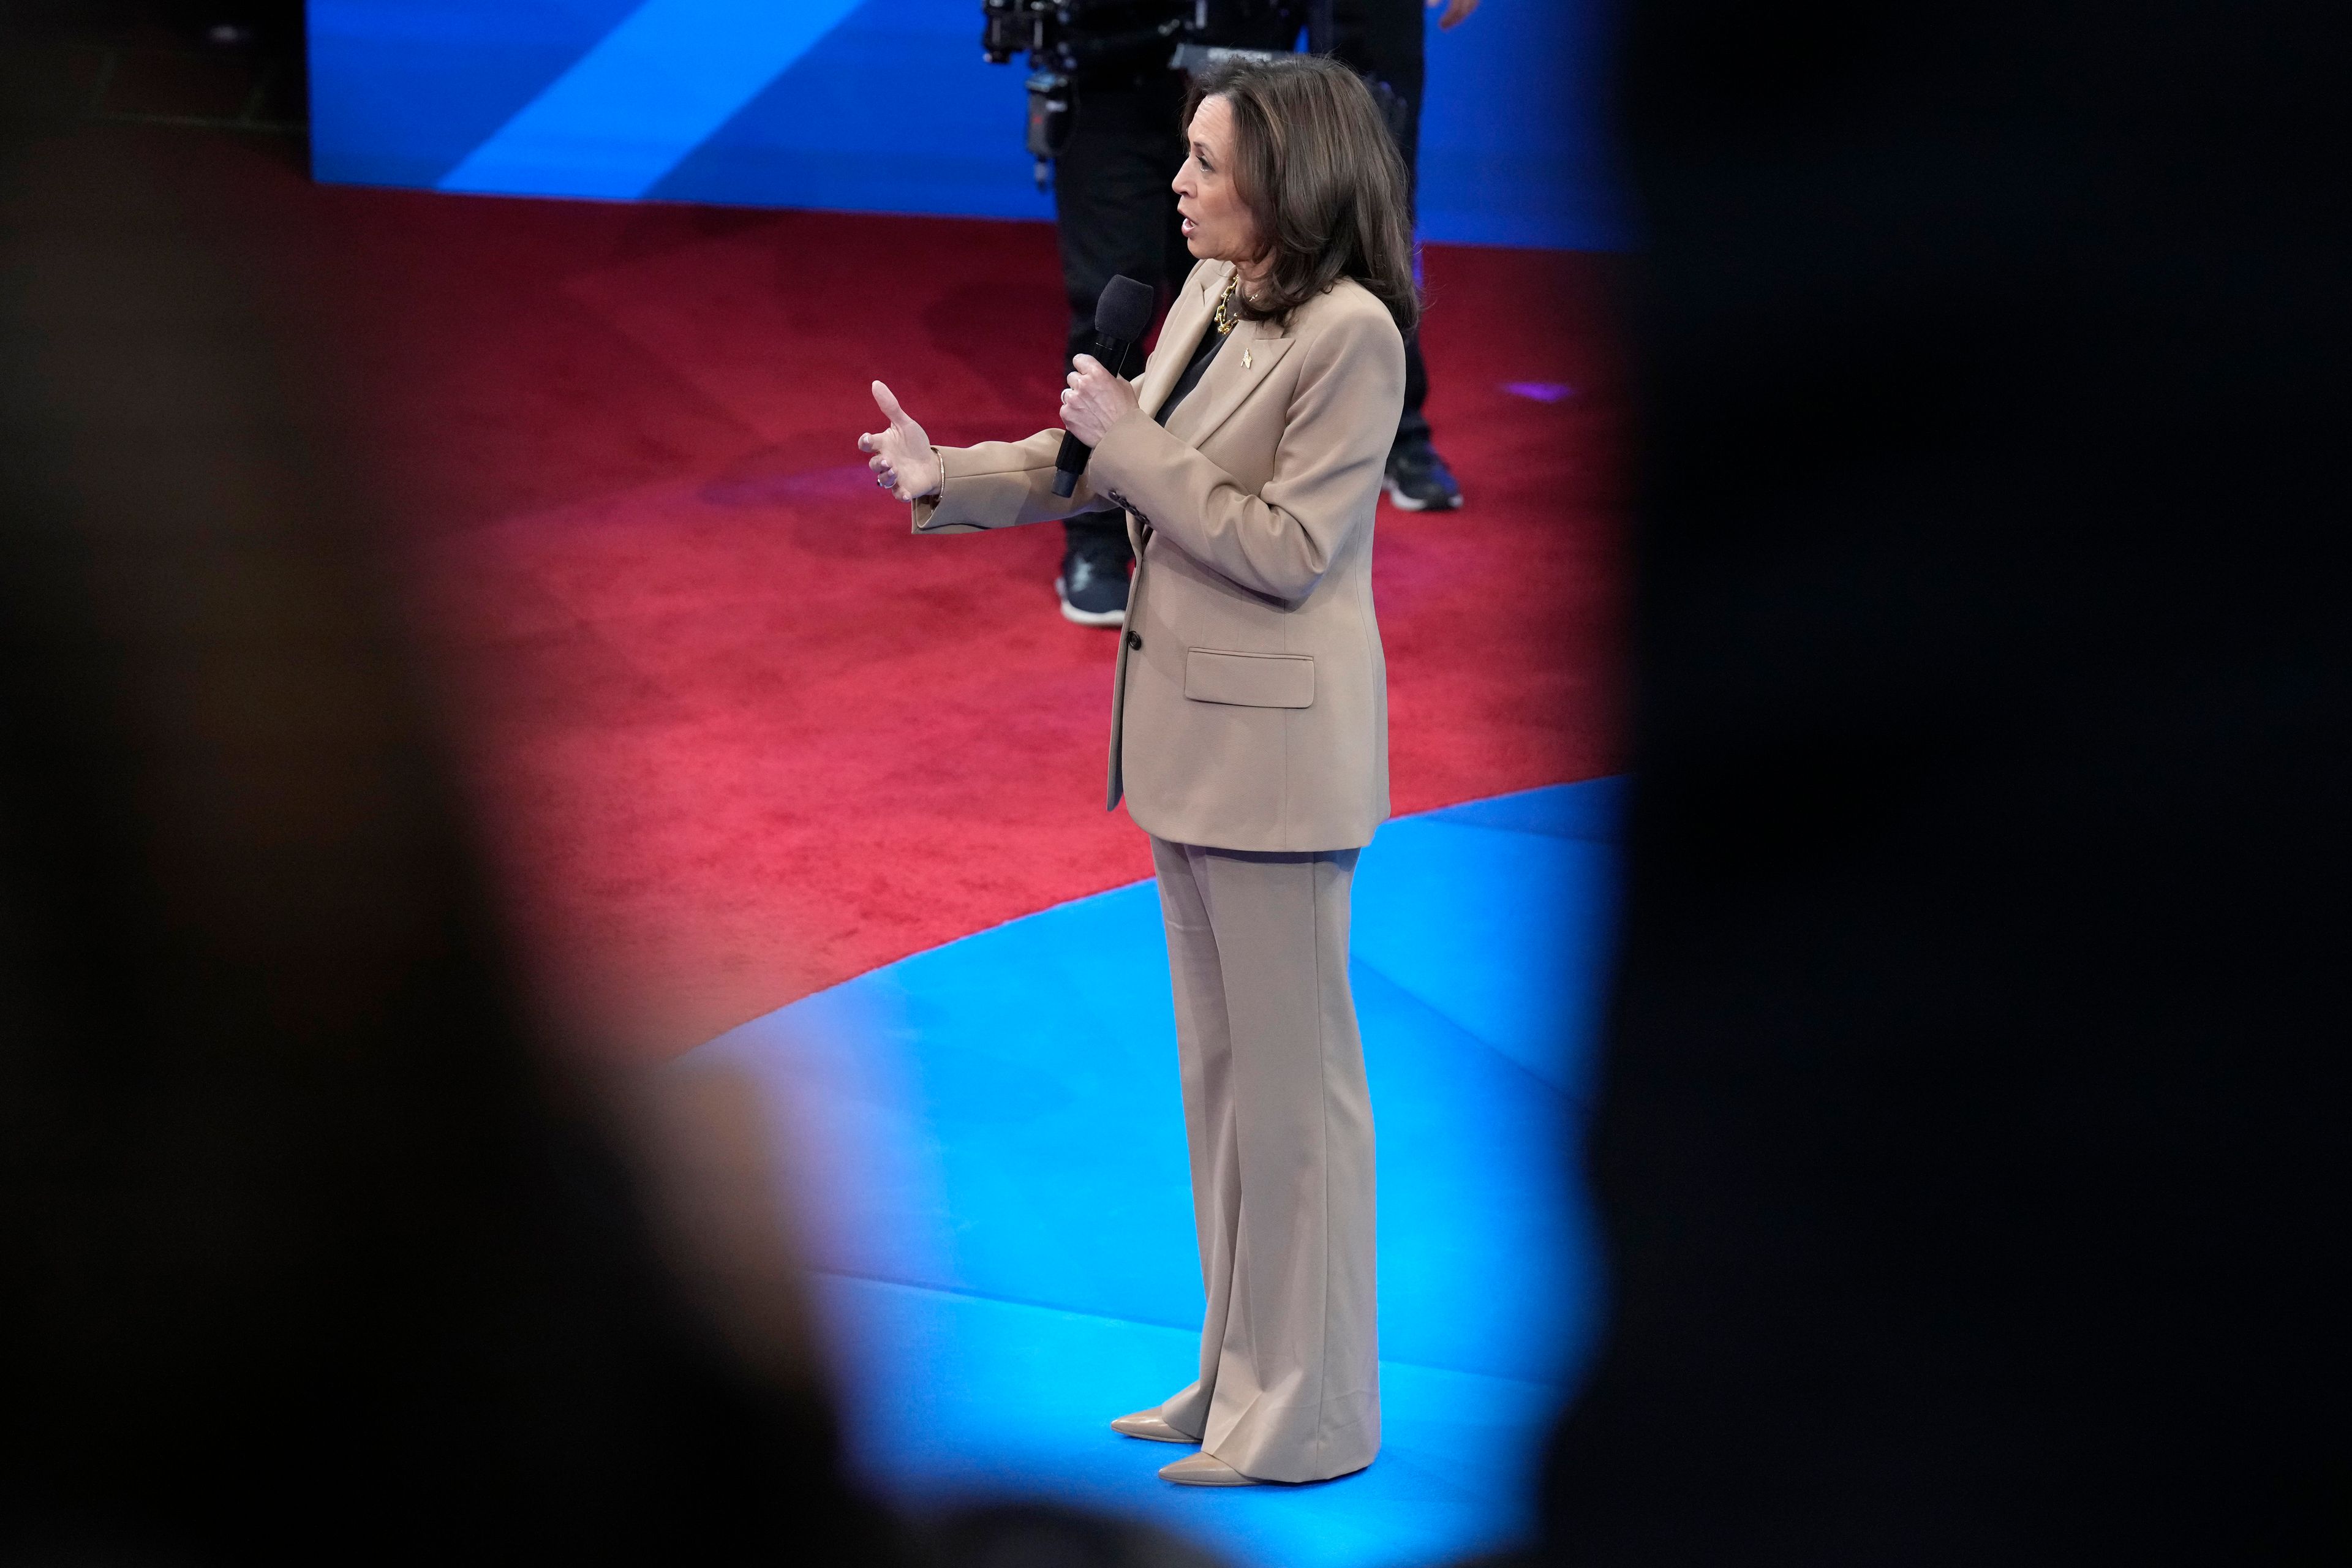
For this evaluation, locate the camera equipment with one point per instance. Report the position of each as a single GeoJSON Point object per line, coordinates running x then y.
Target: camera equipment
{"type": "Point", "coordinates": [1195, 57]}
{"type": "Point", "coordinates": [1070, 41]}
{"type": "Point", "coordinates": [1050, 119]}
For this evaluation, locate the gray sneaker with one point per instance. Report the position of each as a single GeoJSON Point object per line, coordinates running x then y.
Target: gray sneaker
{"type": "Point", "coordinates": [1418, 479]}
{"type": "Point", "coordinates": [1092, 584]}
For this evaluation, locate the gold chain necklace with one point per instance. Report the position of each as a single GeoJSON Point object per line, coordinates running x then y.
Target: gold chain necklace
{"type": "Point", "coordinates": [1226, 319]}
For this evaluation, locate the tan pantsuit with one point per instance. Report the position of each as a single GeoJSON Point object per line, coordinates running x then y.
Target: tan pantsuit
{"type": "Point", "coordinates": [1274, 1088]}
{"type": "Point", "coordinates": [1249, 737]}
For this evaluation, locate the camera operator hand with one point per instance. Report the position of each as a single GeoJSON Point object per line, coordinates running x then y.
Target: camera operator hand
{"type": "Point", "coordinates": [903, 461]}
{"type": "Point", "coordinates": [1095, 400]}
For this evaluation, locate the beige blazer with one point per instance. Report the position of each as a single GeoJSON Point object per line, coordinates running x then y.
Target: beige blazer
{"type": "Point", "coordinates": [1250, 707]}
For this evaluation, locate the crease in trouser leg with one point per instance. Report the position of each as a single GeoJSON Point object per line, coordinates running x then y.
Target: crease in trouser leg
{"type": "Point", "coordinates": [1280, 1121]}
{"type": "Point", "coordinates": [1204, 1069]}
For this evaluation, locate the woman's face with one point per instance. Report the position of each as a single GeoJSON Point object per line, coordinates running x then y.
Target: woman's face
{"type": "Point", "coordinates": [1217, 223]}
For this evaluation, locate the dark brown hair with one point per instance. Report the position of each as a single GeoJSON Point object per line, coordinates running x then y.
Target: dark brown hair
{"type": "Point", "coordinates": [1314, 163]}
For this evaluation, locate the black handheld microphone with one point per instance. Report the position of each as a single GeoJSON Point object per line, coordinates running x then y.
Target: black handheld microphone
{"type": "Point", "coordinates": [1123, 316]}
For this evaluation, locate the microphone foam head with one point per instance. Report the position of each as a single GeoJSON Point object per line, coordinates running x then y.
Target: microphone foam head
{"type": "Point", "coordinates": [1124, 311]}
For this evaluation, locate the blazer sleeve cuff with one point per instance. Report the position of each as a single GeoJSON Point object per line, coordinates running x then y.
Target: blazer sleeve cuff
{"type": "Point", "coordinates": [1131, 453]}
{"type": "Point", "coordinates": [977, 490]}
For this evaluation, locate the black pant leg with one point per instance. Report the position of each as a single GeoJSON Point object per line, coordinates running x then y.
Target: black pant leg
{"type": "Point", "coordinates": [1114, 211]}
{"type": "Point", "coordinates": [1385, 39]}
{"type": "Point", "coordinates": [1412, 425]}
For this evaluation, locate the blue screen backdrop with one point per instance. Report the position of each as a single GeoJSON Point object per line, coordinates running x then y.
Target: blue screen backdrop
{"type": "Point", "coordinates": [872, 106]}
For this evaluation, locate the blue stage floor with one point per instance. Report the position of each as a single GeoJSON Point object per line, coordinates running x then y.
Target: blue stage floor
{"type": "Point", "coordinates": [989, 1153]}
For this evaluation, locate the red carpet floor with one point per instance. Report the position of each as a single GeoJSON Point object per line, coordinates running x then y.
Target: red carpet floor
{"type": "Point", "coordinates": [737, 735]}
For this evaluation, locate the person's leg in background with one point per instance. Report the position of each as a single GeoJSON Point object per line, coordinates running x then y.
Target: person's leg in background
{"type": "Point", "coordinates": [1114, 213]}
{"type": "Point", "coordinates": [1383, 39]}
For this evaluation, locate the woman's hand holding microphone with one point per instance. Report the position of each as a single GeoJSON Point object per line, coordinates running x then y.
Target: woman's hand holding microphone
{"type": "Point", "coordinates": [1095, 400]}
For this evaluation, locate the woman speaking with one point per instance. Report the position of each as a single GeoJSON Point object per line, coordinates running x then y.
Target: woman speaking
{"type": "Point", "coordinates": [1249, 719]}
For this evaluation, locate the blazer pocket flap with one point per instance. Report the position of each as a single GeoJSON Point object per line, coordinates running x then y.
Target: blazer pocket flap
{"type": "Point", "coordinates": [1250, 679]}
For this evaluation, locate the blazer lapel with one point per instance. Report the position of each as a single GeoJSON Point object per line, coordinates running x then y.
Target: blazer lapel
{"type": "Point", "coordinates": [1254, 349]}
{"type": "Point", "coordinates": [1179, 336]}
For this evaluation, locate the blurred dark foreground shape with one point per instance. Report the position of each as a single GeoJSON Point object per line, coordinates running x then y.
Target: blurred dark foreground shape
{"type": "Point", "coordinates": [1972, 1136]}
{"type": "Point", "coordinates": [1972, 1139]}
{"type": "Point", "coordinates": [309, 1251]}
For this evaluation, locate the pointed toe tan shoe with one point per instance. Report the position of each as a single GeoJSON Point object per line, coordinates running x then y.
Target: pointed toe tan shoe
{"type": "Point", "coordinates": [1203, 1470]}
{"type": "Point", "coordinates": [1150, 1425]}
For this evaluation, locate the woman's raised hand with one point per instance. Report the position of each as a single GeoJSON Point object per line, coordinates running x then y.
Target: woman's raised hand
{"type": "Point", "coordinates": [902, 458]}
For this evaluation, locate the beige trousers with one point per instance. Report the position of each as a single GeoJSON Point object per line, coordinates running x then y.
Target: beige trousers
{"type": "Point", "coordinates": [1280, 1123]}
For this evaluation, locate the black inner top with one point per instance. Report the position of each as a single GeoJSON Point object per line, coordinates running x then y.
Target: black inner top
{"type": "Point", "coordinates": [1211, 340]}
